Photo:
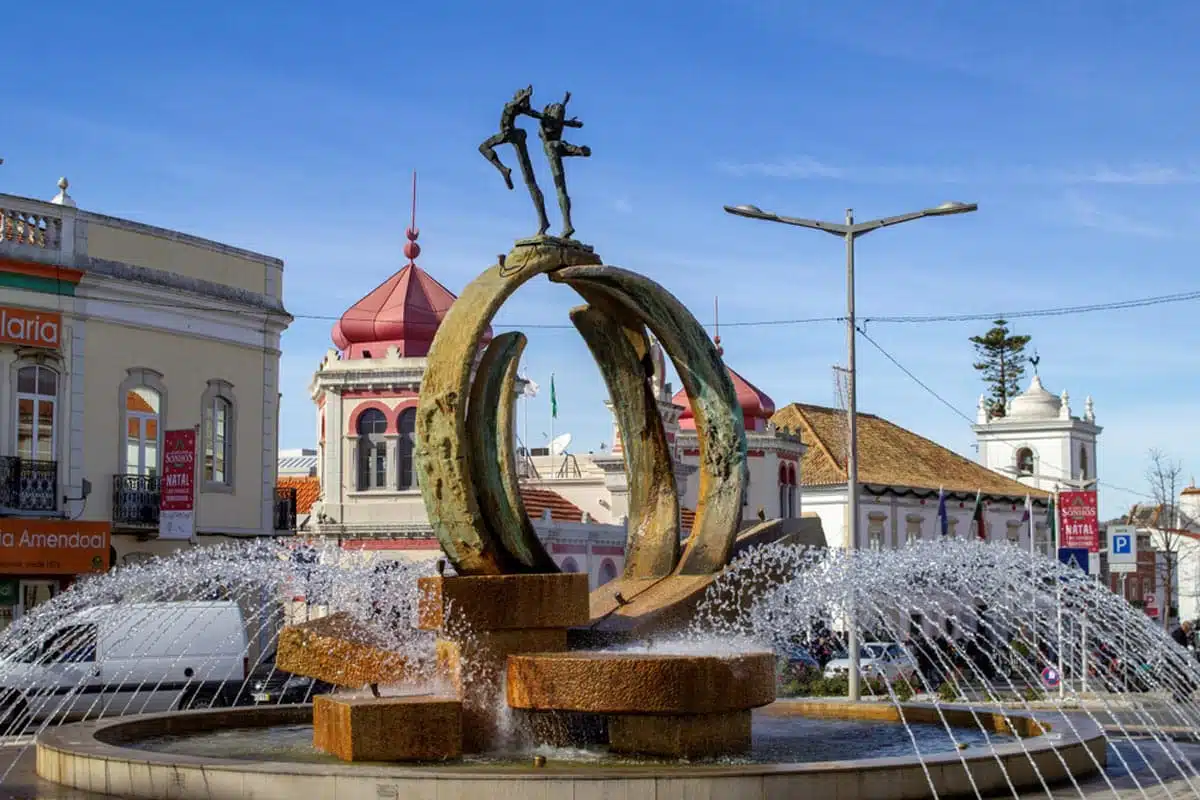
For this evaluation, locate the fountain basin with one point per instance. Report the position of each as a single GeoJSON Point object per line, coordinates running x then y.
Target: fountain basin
{"type": "Point", "coordinates": [103, 756]}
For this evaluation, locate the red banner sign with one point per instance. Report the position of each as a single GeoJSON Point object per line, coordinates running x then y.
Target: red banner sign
{"type": "Point", "coordinates": [1078, 521]}
{"type": "Point", "coordinates": [178, 485]}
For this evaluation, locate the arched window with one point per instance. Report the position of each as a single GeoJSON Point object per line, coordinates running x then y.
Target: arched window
{"type": "Point", "coordinates": [407, 426]}
{"type": "Point", "coordinates": [1025, 461]}
{"type": "Point", "coordinates": [793, 493]}
{"type": "Point", "coordinates": [218, 418]}
{"type": "Point", "coordinates": [608, 571]}
{"type": "Point", "coordinates": [569, 565]}
{"type": "Point", "coordinates": [143, 404]}
{"type": "Point", "coordinates": [1083, 463]}
{"type": "Point", "coordinates": [372, 450]}
{"type": "Point", "coordinates": [37, 405]}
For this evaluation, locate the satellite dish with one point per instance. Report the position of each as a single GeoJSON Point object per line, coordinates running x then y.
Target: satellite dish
{"type": "Point", "coordinates": [559, 445]}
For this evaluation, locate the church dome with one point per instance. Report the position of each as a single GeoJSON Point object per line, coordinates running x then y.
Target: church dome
{"type": "Point", "coordinates": [1034, 403]}
{"type": "Point", "coordinates": [756, 406]}
{"type": "Point", "coordinates": [404, 311]}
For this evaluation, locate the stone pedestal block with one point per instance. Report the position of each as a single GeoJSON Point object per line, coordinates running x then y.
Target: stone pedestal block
{"type": "Point", "coordinates": [474, 667]}
{"type": "Point", "coordinates": [680, 735]}
{"type": "Point", "coordinates": [503, 602]}
{"type": "Point", "coordinates": [481, 621]}
{"type": "Point", "coordinates": [660, 704]}
{"type": "Point", "coordinates": [338, 650]}
{"type": "Point", "coordinates": [413, 728]}
{"type": "Point", "coordinates": [626, 682]}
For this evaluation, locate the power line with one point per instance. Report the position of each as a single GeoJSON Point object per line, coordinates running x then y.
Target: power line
{"type": "Point", "coordinates": [1060, 311]}
{"type": "Point", "coordinates": [956, 410]}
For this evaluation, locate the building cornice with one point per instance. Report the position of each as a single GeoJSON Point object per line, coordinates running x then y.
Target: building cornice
{"type": "Point", "coordinates": [999, 427]}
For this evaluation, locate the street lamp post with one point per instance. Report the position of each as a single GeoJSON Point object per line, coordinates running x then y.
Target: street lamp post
{"type": "Point", "coordinates": [850, 231]}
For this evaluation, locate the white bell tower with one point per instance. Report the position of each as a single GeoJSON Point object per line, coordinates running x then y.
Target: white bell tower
{"type": "Point", "coordinates": [1037, 439]}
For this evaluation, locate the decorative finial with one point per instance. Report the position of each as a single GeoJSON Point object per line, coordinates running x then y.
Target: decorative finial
{"type": "Point", "coordinates": [62, 198]}
{"type": "Point", "coordinates": [717, 326]}
{"type": "Point", "coordinates": [1089, 409]}
{"type": "Point", "coordinates": [1035, 361]}
{"type": "Point", "coordinates": [411, 248]}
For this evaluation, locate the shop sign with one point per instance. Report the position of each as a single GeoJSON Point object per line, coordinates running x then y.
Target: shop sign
{"type": "Point", "coordinates": [30, 328]}
{"type": "Point", "coordinates": [53, 547]}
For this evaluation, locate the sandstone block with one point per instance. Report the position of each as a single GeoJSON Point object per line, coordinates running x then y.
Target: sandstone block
{"type": "Point", "coordinates": [503, 602]}
{"type": "Point", "coordinates": [680, 735]}
{"type": "Point", "coordinates": [414, 728]}
{"type": "Point", "coordinates": [475, 667]}
{"type": "Point", "coordinates": [619, 682]}
{"type": "Point", "coordinates": [338, 650]}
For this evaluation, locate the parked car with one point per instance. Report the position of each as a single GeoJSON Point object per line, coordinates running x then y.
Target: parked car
{"type": "Point", "coordinates": [268, 684]}
{"type": "Point", "coordinates": [797, 656]}
{"type": "Point", "coordinates": [127, 659]}
{"type": "Point", "coordinates": [887, 660]}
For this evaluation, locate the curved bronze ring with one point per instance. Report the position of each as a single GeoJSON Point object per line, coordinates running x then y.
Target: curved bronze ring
{"type": "Point", "coordinates": [466, 465]}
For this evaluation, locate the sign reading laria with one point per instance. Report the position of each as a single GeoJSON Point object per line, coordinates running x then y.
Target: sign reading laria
{"type": "Point", "coordinates": [177, 511]}
{"type": "Point", "coordinates": [52, 547]}
{"type": "Point", "coordinates": [30, 328]}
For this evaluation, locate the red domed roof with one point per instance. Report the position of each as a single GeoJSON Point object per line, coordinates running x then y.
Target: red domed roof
{"type": "Point", "coordinates": [756, 406]}
{"type": "Point", "coordinates": [405, 311]}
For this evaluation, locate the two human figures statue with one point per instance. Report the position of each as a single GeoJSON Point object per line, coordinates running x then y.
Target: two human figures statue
{"type": "Point", "coordinates": [552, 122]}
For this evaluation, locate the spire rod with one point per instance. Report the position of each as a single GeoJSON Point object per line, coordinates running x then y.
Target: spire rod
{"type": "Point", "coordinates": [411, 248]}
{"type": "Point", "coordinates": [414, 202]}
{"type": "Point", "coordinates": [717, 325]}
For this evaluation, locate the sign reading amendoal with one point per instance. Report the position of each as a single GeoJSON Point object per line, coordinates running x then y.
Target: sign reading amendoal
{"type": "Point", "coordinates": [71, 541]}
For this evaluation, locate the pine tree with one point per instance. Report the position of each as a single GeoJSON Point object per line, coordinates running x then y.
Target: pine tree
{"type": "Point", "coordinates": [1002, 362]}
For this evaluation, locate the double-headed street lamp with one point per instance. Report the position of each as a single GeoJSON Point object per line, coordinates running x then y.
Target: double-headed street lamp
{"type": "Point", "coordinates": [851, 230]}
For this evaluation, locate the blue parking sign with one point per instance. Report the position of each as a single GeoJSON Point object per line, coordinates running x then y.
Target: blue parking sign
{"type": "Point", "coordinates": [1122, 544]}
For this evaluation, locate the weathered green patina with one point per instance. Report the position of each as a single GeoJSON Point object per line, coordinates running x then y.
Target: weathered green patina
{"type": "Point", "coordinates": [620, 346]}
{"type": "Point", "coordinates": [490, 425]}
{"type": "Point", "coordinates": [443, 450]}
{"type": "Point", "coordinates": [719, 424]}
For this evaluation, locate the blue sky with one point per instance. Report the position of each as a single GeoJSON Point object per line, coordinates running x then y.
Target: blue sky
{"type": "Point", "coordinates": [292, 129]}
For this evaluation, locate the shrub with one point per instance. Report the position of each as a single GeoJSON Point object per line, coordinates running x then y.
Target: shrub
{"type": "Point", "coordinates": [902, 689]}
{"type": "Point", "coordinates": [1033, 694]}
{"type": "Point", "coordinates": [947, 692]}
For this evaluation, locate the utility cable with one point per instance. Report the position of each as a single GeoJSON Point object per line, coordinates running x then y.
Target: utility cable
{"type": "Point", "coordinates": [966, 417]}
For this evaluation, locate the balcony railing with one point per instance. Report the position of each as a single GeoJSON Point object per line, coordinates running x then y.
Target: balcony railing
{"type": "Point", "coordinates": [285, 508]}
{"type": "Point", "coordinates": [27, 484]}
{"type": "Point", "coordinates": [135, 501]}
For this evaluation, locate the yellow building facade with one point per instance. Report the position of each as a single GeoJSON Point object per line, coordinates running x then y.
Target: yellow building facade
{"type": "Point", "coordinates": [122, 345]}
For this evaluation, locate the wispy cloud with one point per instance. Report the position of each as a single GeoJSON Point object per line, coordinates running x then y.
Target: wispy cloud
{"type": "Point", "coordinates": [1086, 213]}
{"type": "Point", "coordinates": [809, 168]}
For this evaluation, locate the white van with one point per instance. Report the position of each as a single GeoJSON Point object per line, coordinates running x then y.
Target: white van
{"type": "Point", "coordinates": [126, 659]}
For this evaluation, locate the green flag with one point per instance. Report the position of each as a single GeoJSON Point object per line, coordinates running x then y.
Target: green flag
{"type": "Point", "coordinates": [1050, 521]}
{"type": "Point", "coordinates": [553, 399]}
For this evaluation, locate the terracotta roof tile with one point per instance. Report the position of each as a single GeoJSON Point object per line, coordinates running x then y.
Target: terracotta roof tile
{"type": "Point", "coordinates": [888, 455]}
{"type": "Point", "coordinates": [308, 489]}
{"type": "Point", "coordinates": [538, 500]}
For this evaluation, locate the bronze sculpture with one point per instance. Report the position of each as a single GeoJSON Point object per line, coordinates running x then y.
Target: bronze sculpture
{"type": "Point", "coordinates": [552, 121]}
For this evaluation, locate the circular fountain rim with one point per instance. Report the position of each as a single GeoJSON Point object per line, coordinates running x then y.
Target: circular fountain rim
{"type": "Point", "coordinates": [83, 755]}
